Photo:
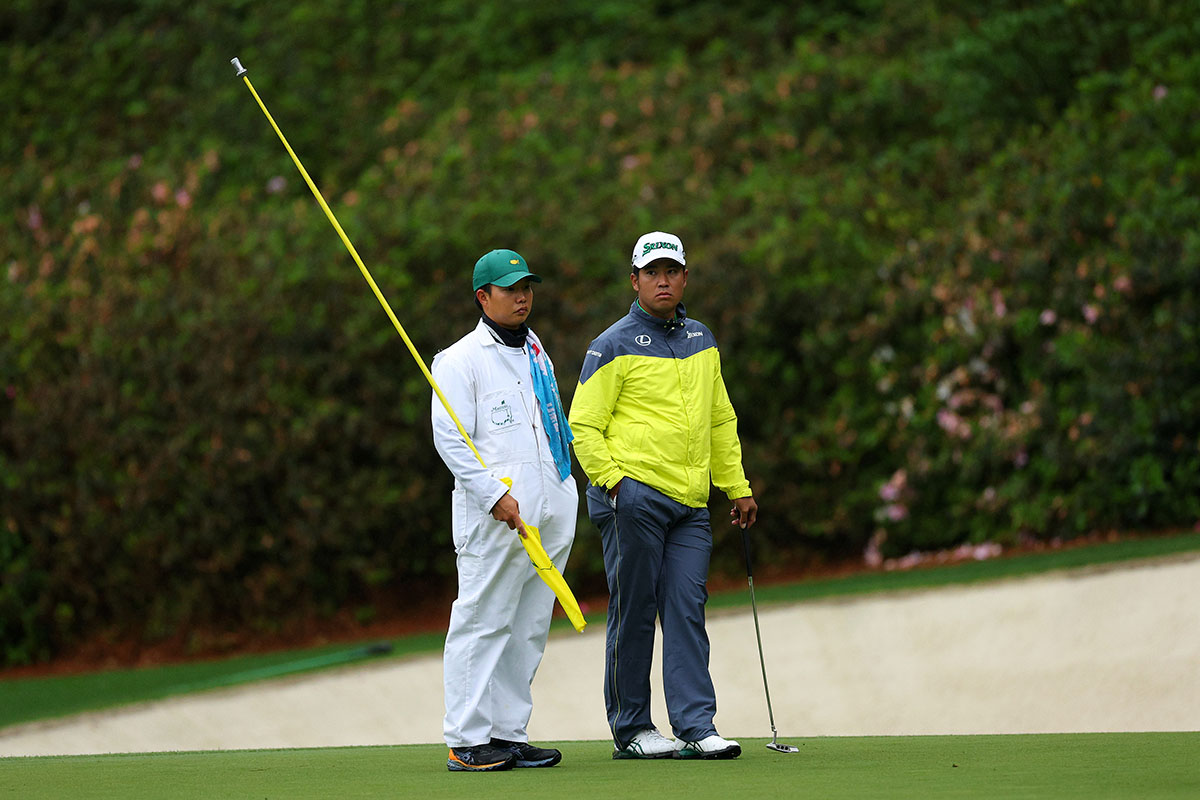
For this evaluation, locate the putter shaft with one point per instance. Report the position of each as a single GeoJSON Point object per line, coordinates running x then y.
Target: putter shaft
{"type": "Point", "coordinates": [762, 662]}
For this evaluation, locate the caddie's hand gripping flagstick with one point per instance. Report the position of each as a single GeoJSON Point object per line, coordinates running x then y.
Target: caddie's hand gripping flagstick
{"type": "Point", "coordinates": [532, 540]}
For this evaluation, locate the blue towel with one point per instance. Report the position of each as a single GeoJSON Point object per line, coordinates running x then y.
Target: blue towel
{"type": "Point", "coordinates": [553, 418]}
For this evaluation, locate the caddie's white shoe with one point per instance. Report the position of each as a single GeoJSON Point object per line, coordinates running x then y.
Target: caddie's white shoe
{"type": "Point", "coordinates": [708, 747]}
{"type": "Point", "coordinates": [647, 744]}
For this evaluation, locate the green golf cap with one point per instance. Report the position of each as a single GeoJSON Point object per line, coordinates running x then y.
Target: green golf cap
{"type": "Point", "coordinates": [503, 268]}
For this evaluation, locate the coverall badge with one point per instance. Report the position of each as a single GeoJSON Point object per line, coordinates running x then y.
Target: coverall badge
{"type": "Point", "coordinates": [502, 415]}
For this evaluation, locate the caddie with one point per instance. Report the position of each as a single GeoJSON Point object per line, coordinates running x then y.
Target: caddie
{"type": "Point", "coordinates": [653, 422]}
{"type": "Point", "coordinates": [500, 382]}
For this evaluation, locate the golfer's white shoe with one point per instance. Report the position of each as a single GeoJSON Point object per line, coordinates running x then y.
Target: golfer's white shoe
{"type": "Point", "coordinates": [708, 747]}
{"type": "Point", "coordinates": [647, 744]}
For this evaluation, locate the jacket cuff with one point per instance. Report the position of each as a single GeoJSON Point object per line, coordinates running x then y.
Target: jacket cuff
{"type": "Point", "coordinates": [490, 500]}
{"type": "Point", "coordinates": [611, 479]}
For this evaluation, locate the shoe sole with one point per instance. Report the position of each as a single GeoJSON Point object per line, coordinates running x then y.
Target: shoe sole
{"type": "Point", "coordinates": [623, 755]}
{"type": "Point", "coordinates": [628, 752]}
{"type": "Point", "coordinates": [545, 762]}
{"type": "Point", "coordinates": [454, 765]}
{"type": "Point", "coordinates": [727, 753]}
{"type": "Point", "coordinates": [458, 766]}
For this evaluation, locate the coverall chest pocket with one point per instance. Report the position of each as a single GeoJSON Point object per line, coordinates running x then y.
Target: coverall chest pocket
{"type": "Point", "coordinates": [501, 412]}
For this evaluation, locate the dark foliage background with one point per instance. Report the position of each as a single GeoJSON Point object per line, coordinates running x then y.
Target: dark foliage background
{"type": "Point", "coordinates": [950, 251]}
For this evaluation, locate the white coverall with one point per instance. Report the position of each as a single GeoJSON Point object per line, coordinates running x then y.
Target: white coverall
{"type": "Point", "coordinates": [501, 618]}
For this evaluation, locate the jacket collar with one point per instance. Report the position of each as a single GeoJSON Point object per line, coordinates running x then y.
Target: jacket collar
{"type": "Point", "coordinates": [506, 337]}
{"type": "Point", "coordinates": [646, 318]}
{"type": "Point", "coordinates": [485, 337]}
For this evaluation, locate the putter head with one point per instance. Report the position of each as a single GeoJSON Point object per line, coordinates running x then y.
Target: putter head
{"type": "Point", "coordinates": [782, 748]}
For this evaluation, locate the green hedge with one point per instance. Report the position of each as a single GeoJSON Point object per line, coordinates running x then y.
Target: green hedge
{"type": "Point", "coordinates": [950, 255]}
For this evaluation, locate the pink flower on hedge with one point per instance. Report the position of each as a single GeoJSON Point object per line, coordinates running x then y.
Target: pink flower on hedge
{"type": "Point", "coordinates": [896, 512]}
{"type": "Point", "coordinates": [276, 184]}
{"type": "Point", "coordinates": [160, 192]}
{"type": "Point", "coordinates": [1160, 93]}
{"type": "Point", "coordinates": [183, 199]}
{"type": "Point", "coordinates": [1048, 317]}
{"type": "Point", "coordinates": [35, 218]}
{"type": "Point", "coordinates": [906, 562]}
{"type": "Point", "coordinates": [872, 555]}
{"type": "Point", "coordinates": [986, 550]}
{"type": "Point", "coordinates": [1091, 313]}
{"type": "Point", "coordinates": [135, 161]}
{"type": "Point", "coordinates": [953, 424]}
{"type": "Point", "coordinates": [891, 490]}
{"type": "Point", "coordinates": [1123, 284]}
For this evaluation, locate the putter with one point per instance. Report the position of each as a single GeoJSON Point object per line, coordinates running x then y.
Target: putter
{"type": "Point", "coordinates": [774, 743]}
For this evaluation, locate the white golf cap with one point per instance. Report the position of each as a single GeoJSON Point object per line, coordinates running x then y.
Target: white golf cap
{"type": "Point", "coordinates": [656, 245]}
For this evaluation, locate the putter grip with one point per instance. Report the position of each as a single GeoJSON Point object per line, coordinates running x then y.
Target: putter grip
{"type": "Point", "coordinates": [746, 547]}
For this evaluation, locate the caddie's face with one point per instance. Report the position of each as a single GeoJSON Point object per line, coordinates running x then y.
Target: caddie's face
{"type": "Point", "coordinates": [507, 306]}
{"type": "Point", "coordinates": [659, 286]}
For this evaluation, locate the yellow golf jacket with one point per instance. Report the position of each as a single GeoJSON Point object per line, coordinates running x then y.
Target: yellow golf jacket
{"type": "Point", "coordinates": [651, 405]}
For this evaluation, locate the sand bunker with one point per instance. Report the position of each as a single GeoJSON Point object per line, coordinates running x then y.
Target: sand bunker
{"type": "Point", "coordinates": [1093, 650]}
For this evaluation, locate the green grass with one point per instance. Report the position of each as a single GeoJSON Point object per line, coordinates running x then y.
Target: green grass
{"type": "Point", "coordinates": [29, 699]}
{"type": "Point", "coordinates": [1121, 765]}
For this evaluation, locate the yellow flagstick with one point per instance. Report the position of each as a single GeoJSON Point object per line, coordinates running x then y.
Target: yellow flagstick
{"type": "Point", "coordinates": [532, 540]}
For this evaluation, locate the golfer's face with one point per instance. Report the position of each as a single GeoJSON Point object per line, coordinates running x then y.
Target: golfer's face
{"type": "Point", "coordinates": [659, 286]}
{"type": "Point", "coordinates": [508, 306]}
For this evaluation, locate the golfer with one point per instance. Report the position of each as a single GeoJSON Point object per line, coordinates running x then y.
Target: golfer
{"type": "Point", "coordinates": [652, 421]}
{"type": "Point", "coordinates": [500, 382]}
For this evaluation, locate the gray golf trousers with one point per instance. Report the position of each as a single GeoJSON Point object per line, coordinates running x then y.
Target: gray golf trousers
{"type": "Point", "coordinates": [656, 554]}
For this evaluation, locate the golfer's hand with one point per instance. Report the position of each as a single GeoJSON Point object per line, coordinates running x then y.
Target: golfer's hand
{"type": "Point", "coordinates": [744, 512]}
{"type": "Point", "coordinates": [507, 511]}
